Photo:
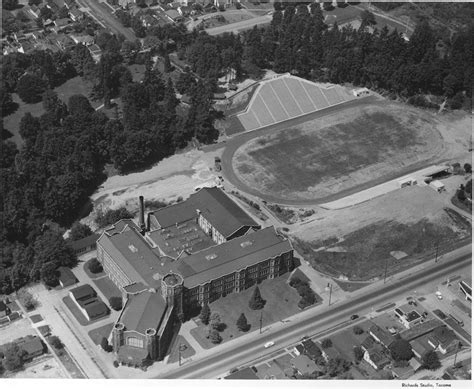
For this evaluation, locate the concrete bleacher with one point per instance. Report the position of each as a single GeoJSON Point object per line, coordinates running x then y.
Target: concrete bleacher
{"type": "Point", "coordinates": [286, 97]}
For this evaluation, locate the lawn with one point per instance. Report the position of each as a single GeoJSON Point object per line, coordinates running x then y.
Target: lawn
{"type": "Point", "coordinates": [281, 302]}
{"type": "Point", "coordinates": [102, 332]}
{"type": "Point", "coordinates": [345, 341]}
{"type": "Point", "coordinates": [364, 255]}
{"type": "Point", "coordinates": [71, 87]}
{"type": "Point", "coordinates": [186, 352]}
{"type": "Point", "coordinates": [319, 158]}
{"type": "Point", "coordinates": [107, 287]}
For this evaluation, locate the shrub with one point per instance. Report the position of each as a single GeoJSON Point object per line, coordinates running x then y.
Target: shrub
{"type": "Point", "coordinates": [326, 343]}
{"type": "Point", "coordinates": [256, 301]}
{"type": "Point", "coordinates": [116, 364]}
{"type": "Point", "coordinates": [95, 266]}
{"type": "Point", "coordinates": [116, 303]}
{"type": "Point", "coordinates": [214, 336]}
{"type": "Point", "coordinates": [467, 168]}
{"type": "Point", "coordinates": [431, 361]}
{"type": "Point", "coordinates": [56, 342]}
{"type": "Point", "coordinates": [357, 330]}
{"type": "Point", "coordinates": [104, 343]}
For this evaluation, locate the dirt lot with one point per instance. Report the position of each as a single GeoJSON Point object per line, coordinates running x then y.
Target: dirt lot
{"type": "Point", "coordinates": [17, 329]}
{"type": "Point", "coordinates": [348, 148]}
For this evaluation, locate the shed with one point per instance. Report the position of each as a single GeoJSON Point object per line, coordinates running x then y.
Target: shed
{"type": "Point", "coordinates": [438, 186]}
{"type": "Point", "coordinates": [66, 277]}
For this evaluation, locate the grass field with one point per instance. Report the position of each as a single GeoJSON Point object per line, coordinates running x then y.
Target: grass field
{"type": "Point", "coordinates": [102, 332]}
{"type": "Point", "coordinates": [349, 148]}
{"type": "Point", "coordinates": [187, 350]}
{"type": "Point", "coordinates": [365, 254]}
{"type": "Point", "coordinates": [281, 302]}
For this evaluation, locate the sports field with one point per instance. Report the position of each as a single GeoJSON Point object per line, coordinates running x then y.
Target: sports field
{"type": "Point", "coordinates": [322, 157]}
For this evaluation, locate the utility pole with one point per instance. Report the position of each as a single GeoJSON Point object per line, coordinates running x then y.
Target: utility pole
{"type": "Point", "coordinates": [330, 293]}
{"type": "Point", "coordinates": [385, 275]}
{"type": "Point", "coordinates": [436, 257]}
{"type": "Point", "coordinates": [261, 320]}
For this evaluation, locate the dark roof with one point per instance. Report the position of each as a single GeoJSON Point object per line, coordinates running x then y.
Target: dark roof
{"type": "Point", "coordinates": [385, 337]}
{"type": "Point", "coordinates": [83, 243]}
{"type": "Point", "coordinates": [413, 315]}
{"type": "Point", "coordinates": [66, 276]}
{"type": "Point", "coordinates": [368, 343]}
{"type": "Point", "coordinates": [377, 356]}
{"type": "Point", "coordinates": [303, 364]}
{"type": "Point", "coordinates": [95, 308]}
{"type": "Point", "coordinates": [231, 256]}
{"type": "Point", "coordinates": [443, 335]}
{"type": "Point", "coordinates": [143, 311]}
{"type": "Point", "coordinates": [420, 329]}
{"type": "Point", "coordinates": [311, 349]}
{"type": "Point", "coordinates": [31, 344]}
{"type": "Point", "coordinates": [83, 292]}
{"type": "Point", "coordinates": [216, 207]}
{"type": "Point", "coordinates": [244, 374]}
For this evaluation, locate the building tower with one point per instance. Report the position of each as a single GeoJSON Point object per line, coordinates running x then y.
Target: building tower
{"type": "Point", "coordinates": [172, 292]}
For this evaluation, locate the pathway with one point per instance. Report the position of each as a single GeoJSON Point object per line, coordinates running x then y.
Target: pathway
{"type": "Point", "coordinates": [185, 331]}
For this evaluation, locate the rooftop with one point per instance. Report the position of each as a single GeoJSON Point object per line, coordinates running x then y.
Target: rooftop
{"type": "Point", "coordinates": [385, 337]}
{"type": "Point", "coordinates": [231, 256]}
{"type": "Point", "coordinates": [303, 364]}
{"type": "Point", "coordinates": [83, 292]}
{"type": "Point", "coordinates": [142, 311]}
{"type": "Point", "coordinates": [84, 242]}
{"type": "Point", "coordinates": [66, 276]}
{"type": "Point", "coordinates": [420, 330]}
{"type": "Point", "coordinates": [443, 335]}
{"type": "Point", "coordinates": [95, 308]}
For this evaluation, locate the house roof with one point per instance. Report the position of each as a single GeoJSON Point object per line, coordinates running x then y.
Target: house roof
{"type": "Point", "coordinates": [231, 256]}
{"type": "Point", "coordinates": [143, 311]}
{"type": "Point", "coordinates": [244, 374]}
{"type": "Point", "coordinates": [31, 344]}
{"type": "Point", "coordinates": [95, 308]}
{"type": "Point", "coordinates": [311, 349]}
{"type": "Point", "coordinates": [83, 292]}
{"type": "Point", "coordinates": [216, 207]}
{"type": "Point", "coordinates": [419, 347]}
{"type": "Point", "coordinates": [66, 276]}
{"type": "Point", "coordinates": [303, 364]}
{"type": "Point", "coordinates": [377, 355]}
{"type": "Point", "coordinates": [84, 242]}
{"type": "Point", "coordinates": [62, 22]}
{"type": "Point", "coordinates": [415, 363]}
{"type": "Point", "coordinates": [420, 329]}
{"type": "Point", "coordinates": [368, 343]}
{"type": "Point", "coordinates": [385, 337]}
{"type": "Point", "coordinates": [443, 335]}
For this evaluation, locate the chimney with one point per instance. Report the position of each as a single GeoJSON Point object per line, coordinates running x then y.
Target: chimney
{"type": "Point", "coordinates": [141, 219]}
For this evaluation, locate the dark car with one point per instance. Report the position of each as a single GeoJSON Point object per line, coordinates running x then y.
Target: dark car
{"type": "Point", "coordinates": [354, 317]}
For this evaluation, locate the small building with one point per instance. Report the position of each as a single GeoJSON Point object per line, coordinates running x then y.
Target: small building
{"type": "Point", "coordinates": [83, 292]}
{"type": "Point", "coordinates": [381, 336]}
{"type": "Point", "coordinates": [33, 346]}
{"type": "Point", "coordinates": [244, 374]}
{"type": "Point", "coordinates": [376, 357]}
{"type": "Point", "coordinates": [303, 365]}
{"type": "Point", "coordinates": [85, 297]}
{"type": "Point", "coordinates": [95, 51]}
{"type": "Point", "coordinates": [368, 343]}
{"type": "Point", "coordinates": [443, 340]}
{"type": "Point", "coordinates": [407, 181]}
{"type": "Point", "coordinates": [75, 14]}
{"type": "Point", "coordinates": [33, 10]}
{"type": "Point", "coordinates": [438, 186]}
{"type": "Point", "coordinates": [407, 316]}
{"type": "Point", "coordinates": [86, 40]}
{"type": "Point", "coordinates": [360, 92]}
{"type": "Point", "coordinates": [420, 330]}
{"type": "Point", "coordinates": [66, 277]}
{"type": "Point", "coordinates": [415, 364]}
{"type": "Point", "coordinates": [173, 15]}
{"type": "Point", "coordinates": [402, 372]}
{"type": "Point", "coordinates": [420, 348]}
{"type": "Point", "coordinates": [60, 24]}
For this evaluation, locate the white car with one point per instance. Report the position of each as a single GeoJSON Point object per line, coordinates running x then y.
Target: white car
{"type": "Point", "coordinates": [269, 344]}
{"type": "Point", "coordinates": [439, 295]}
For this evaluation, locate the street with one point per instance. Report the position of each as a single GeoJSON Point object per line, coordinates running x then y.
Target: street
{"type": "Point", "coordinates": [283, 334]}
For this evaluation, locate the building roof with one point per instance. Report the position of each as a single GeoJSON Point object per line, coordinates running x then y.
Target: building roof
{"type": "Point", "coordinates": [244, 374]}
{"type": "Point", "coordinates": [216, 207]}
{"type": "Point", "coordinates": [66, 276]}
{"type": "Point", "coordinates": [377, 356]}
{"type": "Point", "coordinates": [420, 330]}
{"type": "Point", "coordinates": [231, 256]}
{"type": "Point", "coordinates": [31, 344]}
{"type": "Point", "coordinates": [384, 337]}
{"type": "Point", "coordinates": [419, 347]}
{"type": "Point", "coordinates": [95, 308]}
{"type": "Point", "coordinates": [143, 311]}
{"type": "Point", "coordinates": [368, 343]}
{"type": "Point", "coordinates": [443, 335]}
{"type": "Point", "coordinates": [303, 364]}
{"type": "Point", "coordinates": [403, 372]}
{"type": "Point", "coordinates": [83, 292]}
{"type": "Point", "coordinates": [62, 22]}
{"type": "Point", "coordinates": [415, 363]}
{"type": "Point", "coordinates": [311, 349]}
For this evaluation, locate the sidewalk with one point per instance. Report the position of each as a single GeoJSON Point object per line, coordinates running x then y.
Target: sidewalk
{"type": "Point", "coordinates": [185, 331]}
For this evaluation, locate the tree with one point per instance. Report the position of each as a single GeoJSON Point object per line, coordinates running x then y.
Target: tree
{"type": "Point", "coordinates": [401, 350]}
{"type": "Point", "coordinates": [112, 216]}
{"type": "Point", "coordinates": [431, 360]}
{"type": "Point", "coordinates": [205, 314]}
{"type": "Point", "coordinates": [461, 195]}
{"type": "Point", "coordinates": [358, 353]}
{"type": "Point", "coordinates": [104, 343]}
{"type": "Point", "coordinates": [326, 343]}
{"type": "Point", "coordinates": [256, 301]}
{"type": "Point", "coordinates": [27, 300]}
{"type": "Point", "coordinates": [116, 303]}
{"type": "Point", "coordinates": [357, 330]}
{"type": "Point", "coordinates": [79, 231]}
{"type": "Point", "coordinates": [215, 321]}
{"type": "Point", "coordinates": [368, 19]}
{"type": "Point", "coordinates": [14, 357]}
{"type": "Point", "coordinates": [79, 105]}
{"type": "Point", "coordinates": [337, 366]}
{"type": "Point", "coordinates": [56, 342]}
{"type": "Point", "coordinates": [49, 274]}
{"type": "Point", "coordinates": [10, 4]}
{"type": "Point", "coordinates": [242, 323]}
{"type": "Point", "coordinates": [467, 168]}
{"type": "Point", "coordinates": [214, 336]}
{"type": "Point", "coordinates": [30, 88]}
{"type": "Point", "coordinates": [167, 64]}
{"type": "Point", "coordinates": [95, 266]}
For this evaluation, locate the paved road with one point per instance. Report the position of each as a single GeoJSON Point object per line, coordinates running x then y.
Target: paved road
{"type": "Point", "coordinates": [105, 15]}
{"type": "Point", "coordinates": [283, 335]}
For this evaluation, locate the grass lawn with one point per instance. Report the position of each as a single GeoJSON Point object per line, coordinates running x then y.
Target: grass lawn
{"type": "Point", "coordinates": [281, 302]}
{"type": "Point", "coordinates": [97, 334]}
{"type": "Point", "coordinates": [107, 287]}
{"type": "Point", "coordinates": [186, 352]}
{"type": "Point", "coordinates": [78, 315]}
{"type": "Point", "coordinates": [345, 341]}
{"type": "Point", "coordinates": [299, 274]}
{"type": "Point", "coordinates": [36, 318]}
{"type": "Point", "coordinates": [351, 286]}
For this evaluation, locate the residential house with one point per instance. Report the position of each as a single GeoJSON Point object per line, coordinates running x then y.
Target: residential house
{"type": "Point", "coordinates": [61, 24]}
{"type": "Point", "coordinates": [415, 364]}
{"type": "Point", "coordinates": [70, 4]}
{"type": "Point", "coordinates": [443, 340]}
{"type": "Point", "coordinates": [304, 365]}
{"type": "Point", "coordinates": [311, 350]}
{"type": "Point", "coordinates": [75, 14]}
{"type": "Point", "coordinates": [368, 343]}
{"type": "Point", "coordinates": [149, 20]}
{"type": "Point", "coordinates": [329, 353]}
{"type": "Point", "coordinates": [174, 15]}
{"type": "Point", "coordinates": [66, 277]}
{"type": "Point", "coordinates": [381, 336]}
{"type": "Point", "coordinates": [408, 317]}
{"type": "Point", "coordinates": [298, 349]}
{"type": "Point", "coordinates": [224, 3]}
{"type": "Point", "coordinates": [402, 372]}
{"type": "Point", "coordinates": [420, 347]}
{"type": "Point", "coordinates": [63, 41]}
{"type": "Point", "coordinates": [275, 373]}
{"type": "Point", "coordinates": [376, 357]}
{"type": "Point", "coordinates": [184, 10]}
{"type": "Point", "coordinates": [89, 242]}
{"type": "Point", "coordinates": [420, 330]}
{"type": "Point", "coordinates": [33, 346]}
{"type": "Point", "coordinates": [95, 51]}
{"type": "Point", "coordinates": [33, 10]}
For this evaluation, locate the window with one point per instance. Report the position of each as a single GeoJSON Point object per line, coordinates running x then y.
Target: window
{"type": "Point", "coordinates": [134, 342]}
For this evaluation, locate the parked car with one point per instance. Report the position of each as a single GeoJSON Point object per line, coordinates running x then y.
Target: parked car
{"type": "Point", "coordinates": [269, 344]}
{"type": "Point", "coordinates": [354, 317]}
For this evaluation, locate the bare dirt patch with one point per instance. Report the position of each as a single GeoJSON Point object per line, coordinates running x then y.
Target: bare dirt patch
{"type": "Point", "coordinates": [325, 156]}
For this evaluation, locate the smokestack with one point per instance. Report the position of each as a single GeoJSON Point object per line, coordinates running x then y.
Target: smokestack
{"type": "Point", "coordinates": [141, 219]}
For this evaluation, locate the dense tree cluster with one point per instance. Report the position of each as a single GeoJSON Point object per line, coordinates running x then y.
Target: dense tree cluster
{"type": "Point", "coordinates": [308, 297]}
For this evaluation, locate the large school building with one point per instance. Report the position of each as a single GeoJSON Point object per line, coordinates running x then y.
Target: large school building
{"type": "Point", "coordinates": [181, 257]}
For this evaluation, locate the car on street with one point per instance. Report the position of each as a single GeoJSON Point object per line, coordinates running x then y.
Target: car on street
{"type": "Point", "coordinates": [354, 317]}
{"type": "Point", "coordinates": [439, 295]}
{"type": "Point", "coordinates": [269, 344]}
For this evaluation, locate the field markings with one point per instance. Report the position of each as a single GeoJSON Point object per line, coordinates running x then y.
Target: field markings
{"type": "Point", "coordinates": [316, 108]}
{"type": "Point", "coordinates": [281, 102]}
{"type": "Point", "coordinates": [268, 109]}
{"type": "Point", "coordinates": [256, 118]}
{"type": "Point", "coordinates": [325, 98]}
{"type": "Point", "coordinates": [292, 95]}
